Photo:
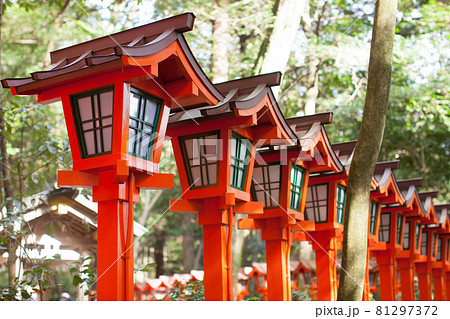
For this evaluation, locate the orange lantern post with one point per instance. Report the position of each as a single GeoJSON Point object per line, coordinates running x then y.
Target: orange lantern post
{"type": "Point", "coordinates": [323, 225]}
{"type": "Point", "coordinates": [391, 232]}
{"type": "Point", "coordinates": [117, 92]}
{"type": "Point", "coordinates": [387, 192]}
{"type": "Point", "coordinates": [443, 251]}
{"type": "Point", "coordinates": [214, 150]}
{"type": "Point", "coordinates": [438, 266]}
{"type": "Point", "coordinates": [428, 246]}
{"type": "Point", "coordinates": [280, 182]}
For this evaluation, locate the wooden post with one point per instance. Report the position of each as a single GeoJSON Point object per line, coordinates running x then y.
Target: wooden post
{"type": "Point", "coordinates": [326, 254]}
{"type": "Point", "coordinates": [114, 263]}
{"type": "Point", "coordinates": [216, 252]}
{"type": "Point", "coordinates": [423, 273]}
{"type": "Point", "coordinates": [387, 276]}
{"type": "Point", "coordinates": [438, 284]}
{"type": "Point", "coordinates": [447, 284]}
{"type": "Point", "coordinates": [406, 267]}
{"type": "Point", "coordinates": [277, 258]}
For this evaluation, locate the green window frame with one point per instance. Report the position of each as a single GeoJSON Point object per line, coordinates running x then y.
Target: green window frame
{"type": "Point", "coordinates": [406, 235]}
{"type": "Point", "coordinates": [448, 250]}
{"type": "Point", "coordinates": [399, 229]}
{"type": "Point", "coordinates": [143, 123]}
{"type": "Point", "coordinates": [93, 113]}
{"type": "Point", "coordinates": [373, 216]}
{"type": "Point", "coordinates": [417, 235]}
{"type": "Point", "coordinates": [266, 184]}
{"type": "Point", "coordinates": [340, 203]}
{"type": "Point", "coordinates": [297, 178]}
{"type": "Point", "coordinates": [240, 151]}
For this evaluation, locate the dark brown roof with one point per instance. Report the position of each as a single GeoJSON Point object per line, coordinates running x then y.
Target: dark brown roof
{"type": "Point", "coordinates": [105, 53]}
{"type": "Point", "coordinates": [304, 123]}
{"type": "Point", "coordinates": [380, 167]}
{"type": "Point", "coordinates": [241, 97]}
{"type": "Point", "coordinates": [405, 183]}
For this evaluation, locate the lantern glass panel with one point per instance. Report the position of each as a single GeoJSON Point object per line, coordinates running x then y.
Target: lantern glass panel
{"type": "Point", "coordinates": [433, 245]}
{"type": "Point", "coordinates": [399, 228]}
{"type": "Point", "coordinates": [143, 123]}
{"type": "Point", "coordinates": [424, 244]}
{"type": "Point", "coordinates": [316, 207]}
{"type": "Point", "coordinates": [201, 156]}
{"type": "Point", "coordinates": [384, 234]}
{"type": "Point", "coordinates": [240, 151]}
{"type": "Point", "coordinates": [406, 235]}
{"type": "Point", "coordinates": [417, 235]}
{"type": "Point", "coordinates": [266, 184]}
{"type": "Point", "coordinates": [448, 250]}
{"type": "Point", "coordinates": [439, 249]}
{"type": "Point", "coordinates": [93, 114]}
{"type": "Point", "coordinates": [340, 203]}
{"type": "Point", "coordinates": [297, 177]}
{"type": "Point", "coordinates": [373, 216]}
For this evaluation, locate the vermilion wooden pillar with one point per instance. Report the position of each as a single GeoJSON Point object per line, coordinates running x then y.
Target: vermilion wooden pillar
{"type": "Point", "coordinates": [387, 277]}
{"type": "Point", "coordinates": [277, 256]}
{"type": "Point", "coordinates": [424, 274]}
{"type": "Point", "coordinates": [447, 284]}
{"type": "Point", "coordinates": [406, 267]}
{"type": "Point", "coordinates": [438, 284]}
{"type": "Point", "coordinates": [216, 251]}
{"type": "Point", "coordinates": [325, 246]}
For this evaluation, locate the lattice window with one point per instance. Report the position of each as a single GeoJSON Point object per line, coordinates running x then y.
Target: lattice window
{"type": "Point", "coordinates": [267, 184]}
{"type": "Point", "coordinates": [406, 235]}
{"type": "Point", "coordinates": [297, 177]}
{"type": "Point", "coordinates": [240, 150]}
{"type": "Point", "coordinates": [316, 207]}
{"type": "Point", "coordinates": [93, 113]}
{"type": "Point", "coordinates": [144, 116]}
{"type": "Point", "coordinates": [384, 233]}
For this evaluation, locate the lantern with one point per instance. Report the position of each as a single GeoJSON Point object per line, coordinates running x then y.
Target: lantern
{"type": "Point", "coordinates": [216, 162]}
{"type": "Point", "coordinates": [117, 92]}
{"type": "Point", "coordinates": [280, 181]}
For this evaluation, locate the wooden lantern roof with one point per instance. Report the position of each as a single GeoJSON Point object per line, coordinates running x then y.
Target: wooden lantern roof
{"type": "Point", "coordinates": [247, 98]}
{"type": "Point", "coordinates": [387, 191]}
{"type": "Point", "coordinates": [314, 143]}
{"type": "Point", "coordinates": [443, 216]}
{"type": "Point", "coordinates": [156, 52]}
{"type": "Point", "coordinates": [426, 198]}
{"type": "Point", "coordinates": [412, 206]}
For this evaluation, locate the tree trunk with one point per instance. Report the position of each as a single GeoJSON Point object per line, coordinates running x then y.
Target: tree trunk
{"type": "Point", "coordinates": [7, 182]}
{"type": "Point", "coordinates": [312, 85]}
{"type": "Point", "coordinates": [283, 36]}
{"type": "Point", "coordinates": [188, 243]}
{"type": "Point", "coordinates": [366, 153]}
{"type": "Point", "coordinates": [221, 40]}
{"type": "Point", "coordinates": [159, 243]}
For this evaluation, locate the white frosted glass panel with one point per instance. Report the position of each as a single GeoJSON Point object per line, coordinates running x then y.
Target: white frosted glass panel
{"type": "Point", "coordinates": [84, 106]}
{"type": "Point", "coordinates": [89, 140]}
{"type": "Point", "coordinates": [134, 104]}
{"type": "Point", "coordinates": [212, 171]}
{"type": "Point", "coordinates": [107, 137]}
{"type": "Point", "coordinates": [87, 126]}
{"type": "Point", "coordinates": [196, 178]}
{"type": "Point", "coordinates": [150, 111]}
{"type": "Point", "coordinates": [106, 103]}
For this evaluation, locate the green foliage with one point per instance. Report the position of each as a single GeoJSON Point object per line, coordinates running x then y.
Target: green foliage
{"type": "Point", "coordinates": [83, 275]}
{"type": "Point", "coordinates": [192, 291]}
{"type": "Point", "coordinates": [302, 294]}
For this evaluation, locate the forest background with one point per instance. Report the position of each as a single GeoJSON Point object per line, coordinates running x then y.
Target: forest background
{"type": "Point", "coordinates": [322, 48]}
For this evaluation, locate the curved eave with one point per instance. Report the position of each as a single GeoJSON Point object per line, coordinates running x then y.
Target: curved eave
{"type": "Point", "coordinates": [413, 204]}
{"type": "Point", "coordinates": [333, 161]}
{"type": "Point", "coordinates": [167, 44]}
{"type": "Point", "coordinates": [388, 190]}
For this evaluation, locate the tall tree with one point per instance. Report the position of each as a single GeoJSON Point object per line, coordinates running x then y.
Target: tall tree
{"type": "Point", "coordinates": [366, 153]}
